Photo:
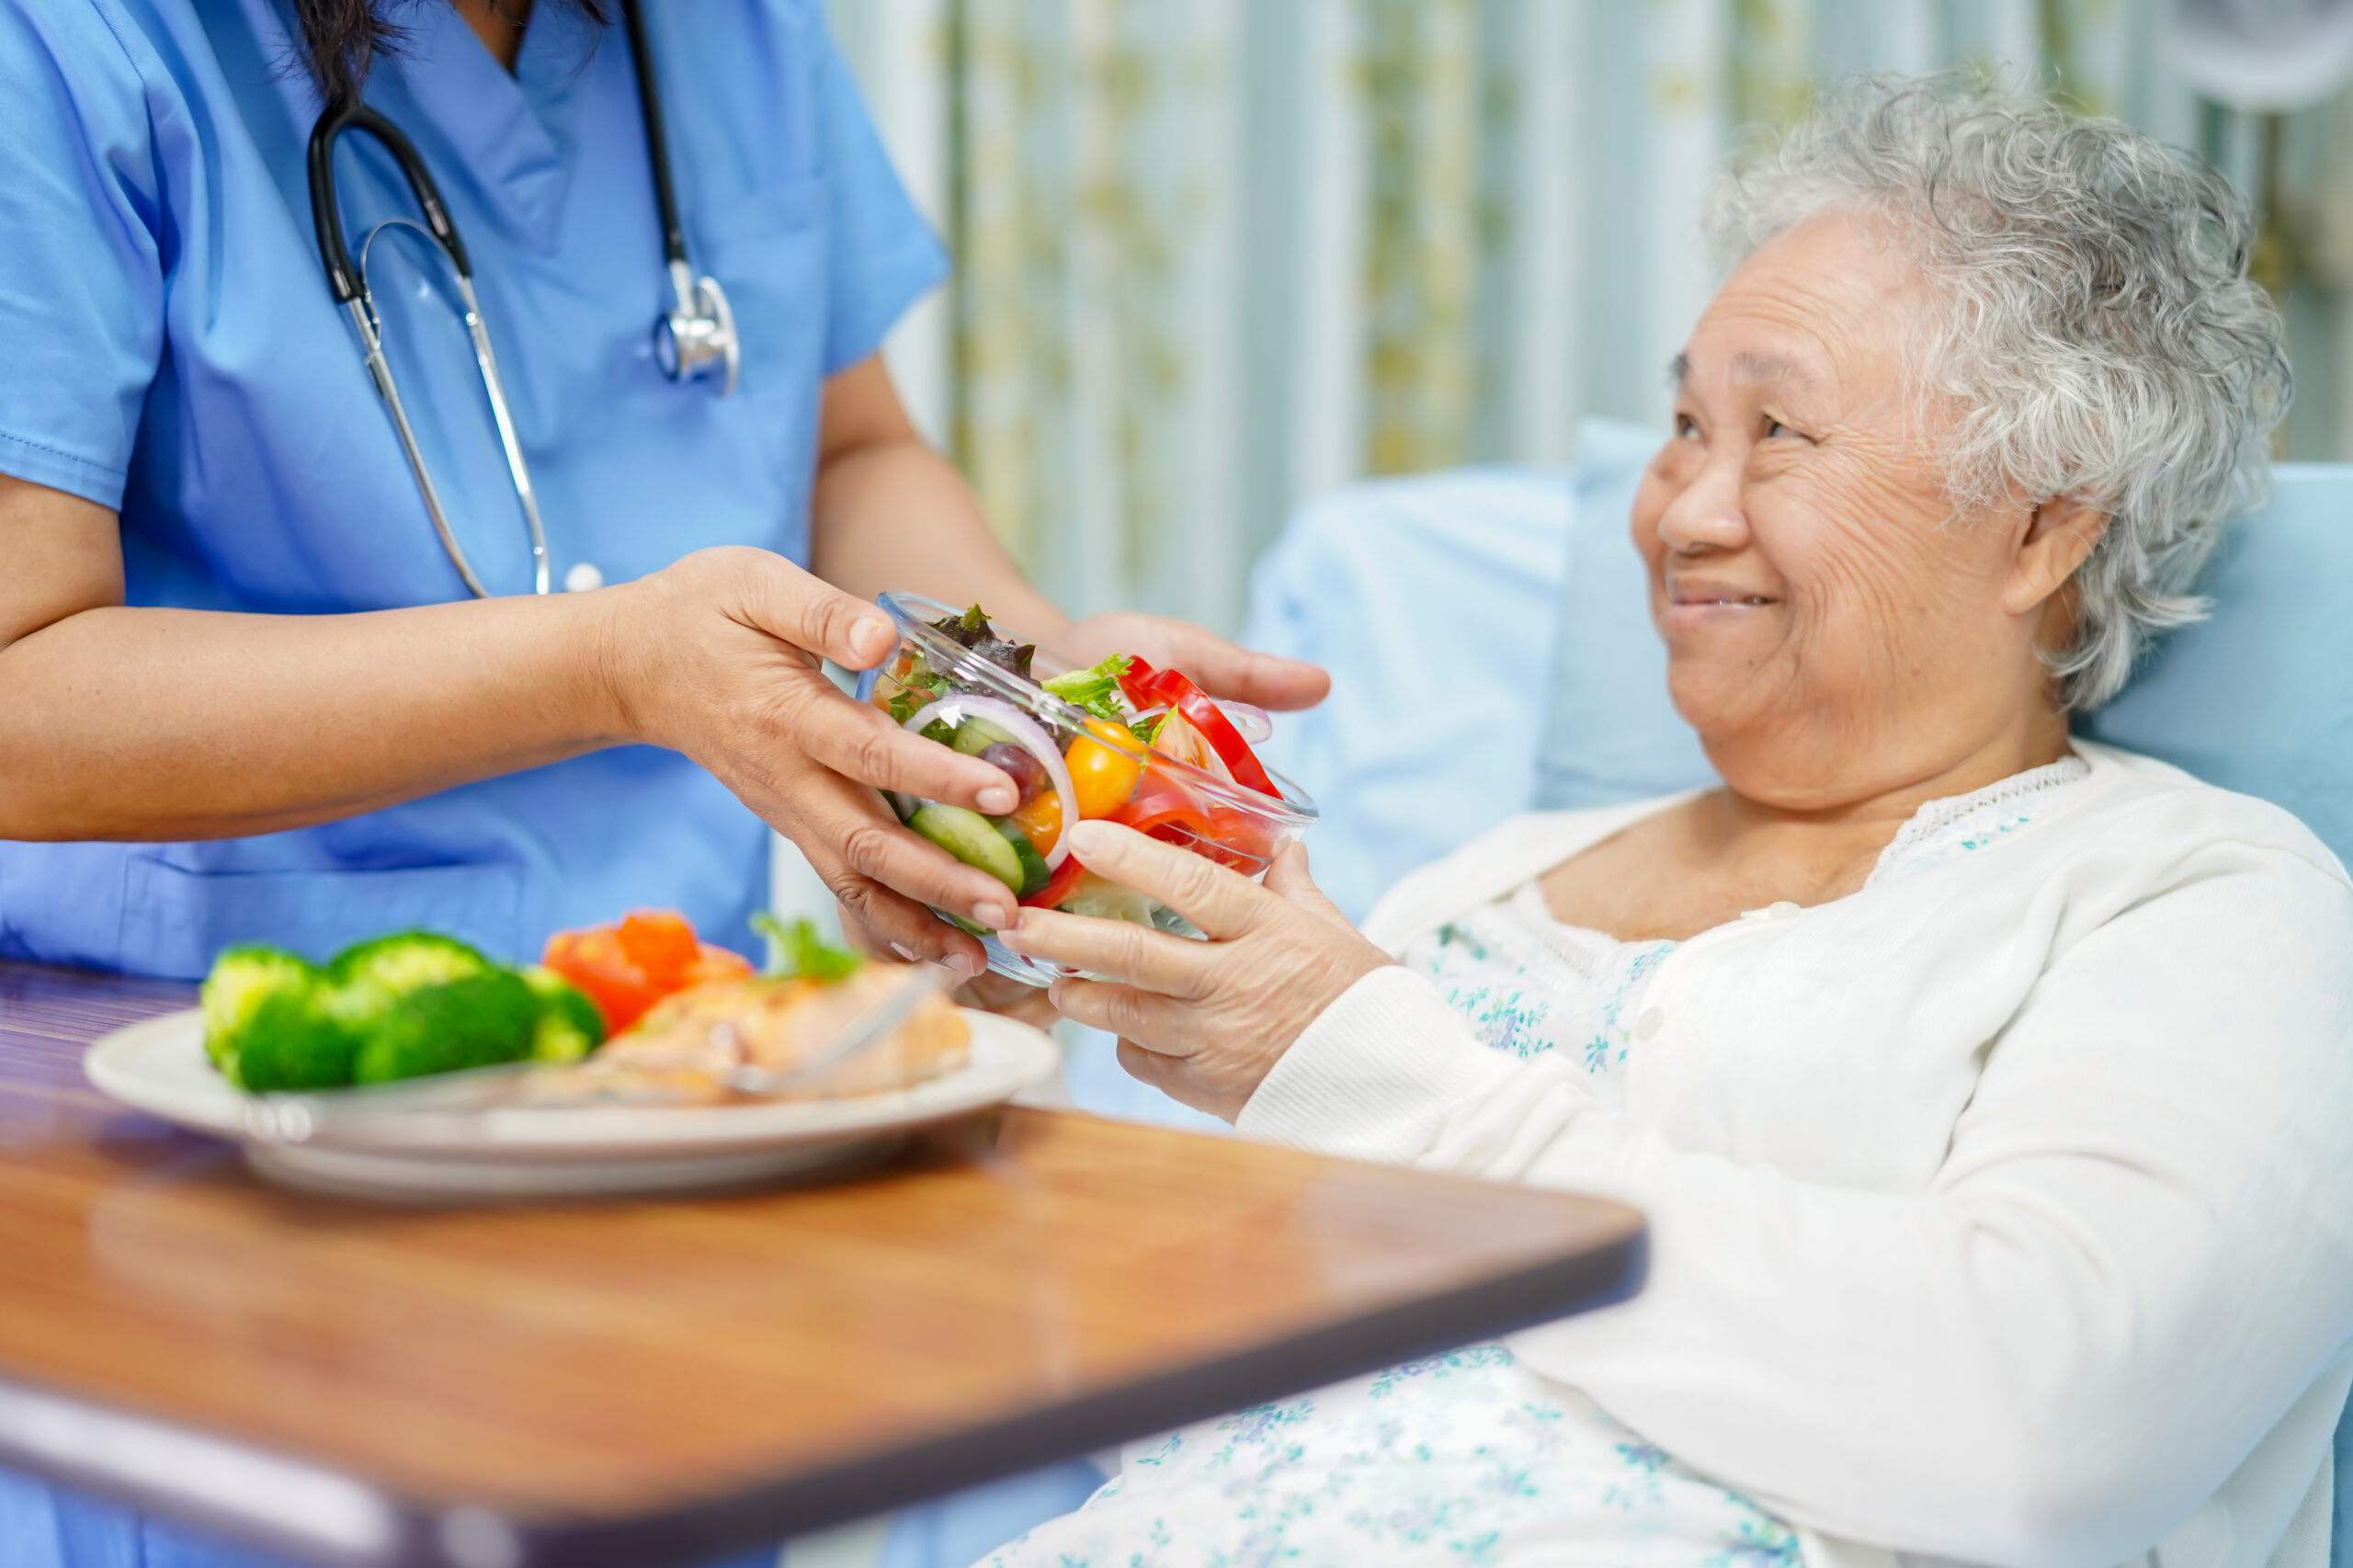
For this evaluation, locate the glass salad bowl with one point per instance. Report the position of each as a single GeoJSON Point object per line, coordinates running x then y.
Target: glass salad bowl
{"type": "Point", "coordinates": [1119, 742]}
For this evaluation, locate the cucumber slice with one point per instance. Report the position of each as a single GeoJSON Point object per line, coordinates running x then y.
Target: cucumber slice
{"type": "Point", "coordinates": [974, 736]}
{"type": "Point", "coordinates": [1034, 875]}
{"type": "Point", "coordinates": [972, 838]}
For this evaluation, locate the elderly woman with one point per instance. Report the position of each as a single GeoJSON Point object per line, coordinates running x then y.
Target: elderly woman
{"type": "Point", "coordinates": [1990, 1093]}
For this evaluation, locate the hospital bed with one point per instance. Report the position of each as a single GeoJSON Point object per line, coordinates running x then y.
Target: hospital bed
{"type": "Point", "coordinates": [1491, 649]}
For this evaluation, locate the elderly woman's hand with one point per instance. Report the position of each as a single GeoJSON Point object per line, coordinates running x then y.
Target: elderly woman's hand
{"type": "Point", "coordinates": [1204, 1021]}
{"type": "Point", "coordinates": [987, 992]}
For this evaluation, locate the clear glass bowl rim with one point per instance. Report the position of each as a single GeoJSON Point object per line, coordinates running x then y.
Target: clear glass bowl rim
{"type": "Point", "coordinates": [907, 612]}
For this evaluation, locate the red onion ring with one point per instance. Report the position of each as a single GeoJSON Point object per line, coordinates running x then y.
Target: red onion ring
{"type": "Point", "coordinates": [1252, 721]}
{"type": "Point", "coordinates": [1025, 733]}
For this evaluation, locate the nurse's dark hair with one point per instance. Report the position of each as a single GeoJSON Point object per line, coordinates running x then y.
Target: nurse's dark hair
{"type": "Point", "coordinates": [341, 39]}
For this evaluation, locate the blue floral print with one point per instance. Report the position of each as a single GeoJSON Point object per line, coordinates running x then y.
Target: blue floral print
{"type": "Point", "coordinates": [1466, 1460]}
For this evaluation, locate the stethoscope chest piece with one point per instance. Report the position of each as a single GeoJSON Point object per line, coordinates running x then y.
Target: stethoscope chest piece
{"type": "Point", "coordinates": [698, 338]}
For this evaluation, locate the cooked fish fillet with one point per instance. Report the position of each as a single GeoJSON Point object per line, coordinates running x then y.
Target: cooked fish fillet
{"type": "Point", "coordinates": [778, 1025]}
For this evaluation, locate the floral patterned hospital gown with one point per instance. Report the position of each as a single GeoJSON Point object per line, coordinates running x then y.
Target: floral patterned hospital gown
{"type": "Point", "coordinates": [1468, 1458]}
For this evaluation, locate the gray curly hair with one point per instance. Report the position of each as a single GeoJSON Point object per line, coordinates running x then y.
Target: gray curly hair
{"type": "Point", "coordinates": [2099, 333]}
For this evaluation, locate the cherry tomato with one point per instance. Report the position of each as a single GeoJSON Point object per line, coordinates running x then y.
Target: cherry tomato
{"type": "Point", "coordinates": [593, 960]}
{"type": "Point", "coordinates": [660, 942]}
{"type": "Point", "coordinates": [1040, 820]}
{"type": "Point", "coordinates": [1104, 768]}
{"type": "Point", "coordinates": [627, 967]}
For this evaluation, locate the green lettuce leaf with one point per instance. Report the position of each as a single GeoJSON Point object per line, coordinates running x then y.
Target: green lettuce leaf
{"type": "Point", "coordinates": [1097, 690]}
{"type": "Point", "coordinates": [798, 952]}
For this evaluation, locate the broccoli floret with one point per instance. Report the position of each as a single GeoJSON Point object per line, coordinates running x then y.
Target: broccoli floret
{"type": "Point", "coordinates": [406, 962]}
{"type": "Point", "coordinates": [296, 1042]}
{"type": "Point", "coordinates": [476, 1021]}
{"type": "Point", "coordinates": [241, 981]}
{"type": "Point", "coordinates": [569, 1026]}
{"type": "Point", "coordinates": [270, 1023]}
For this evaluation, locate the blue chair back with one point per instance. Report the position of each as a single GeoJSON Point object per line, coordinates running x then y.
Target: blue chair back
{"type": "Point", "coordinates": [2258, 698]}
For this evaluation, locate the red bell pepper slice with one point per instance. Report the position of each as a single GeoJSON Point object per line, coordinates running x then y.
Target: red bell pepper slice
{"type": "Point", "coordinates": [1058, 886]}
{"type": "Point", "coordinates": [1164, 815]}
{"type": "Point", "coordinates": [1136, 682]}
{"type": "Point", "coordinates": [1238, 839]}
{"type": "Point", "coordinates": [1206, 716]}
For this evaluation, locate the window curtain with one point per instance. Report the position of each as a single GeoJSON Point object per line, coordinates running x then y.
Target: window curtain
{"type": "Point", "coordinates": [1216, 256]}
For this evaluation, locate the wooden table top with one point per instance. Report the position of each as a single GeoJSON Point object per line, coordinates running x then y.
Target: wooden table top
{"type": "Point", "coordinates": [642, 1382]}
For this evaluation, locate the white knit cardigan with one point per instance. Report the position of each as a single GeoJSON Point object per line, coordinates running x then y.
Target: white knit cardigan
{"type": "Point", "coordinates": [2001, 1212]}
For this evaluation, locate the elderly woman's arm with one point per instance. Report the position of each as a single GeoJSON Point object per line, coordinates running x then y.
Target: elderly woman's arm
{"type": "Point", "coordinates": [2136, 1257]}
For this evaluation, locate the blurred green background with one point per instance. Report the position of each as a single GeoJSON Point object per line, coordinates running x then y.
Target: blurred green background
{"type": "Point", "coordinates": [1213, 255]}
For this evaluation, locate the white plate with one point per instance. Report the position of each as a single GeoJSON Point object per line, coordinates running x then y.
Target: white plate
{"type": "Point", "coordinates": [159, 1066]}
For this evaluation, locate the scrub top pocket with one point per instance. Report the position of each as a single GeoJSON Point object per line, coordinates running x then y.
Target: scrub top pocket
{"type": "Point", "coordinates": [175, 920]}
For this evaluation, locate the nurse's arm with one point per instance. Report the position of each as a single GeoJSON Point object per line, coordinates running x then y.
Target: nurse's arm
{"type": "Point", "coordinates": [889, 513]}
{"type": "Point", "coordinates": [149, 723]}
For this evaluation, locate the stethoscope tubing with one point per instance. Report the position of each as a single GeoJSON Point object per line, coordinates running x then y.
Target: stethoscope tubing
{"type": "Point", "coordinates": [350, 282]}
{"type": "Point", "coordinates": [696, 336]}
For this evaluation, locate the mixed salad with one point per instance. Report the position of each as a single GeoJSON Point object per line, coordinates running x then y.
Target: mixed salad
{"type": "Point", "coordinates": [1119, 742]}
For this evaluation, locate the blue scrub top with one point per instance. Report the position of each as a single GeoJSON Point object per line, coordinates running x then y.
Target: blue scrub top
{"type": "Point", "coordinates": [172, 350]}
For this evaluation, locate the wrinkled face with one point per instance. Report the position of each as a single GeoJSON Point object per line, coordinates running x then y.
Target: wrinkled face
{"type": "Point", "coordinates": [1829, 623]}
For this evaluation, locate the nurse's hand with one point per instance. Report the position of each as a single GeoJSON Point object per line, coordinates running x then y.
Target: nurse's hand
{"type": "Point", "coordinates": [989, 992]}
{"type": "Point", "coordinates": [1217, 666]}
{"type": "Point", "coordinates": [718, 657]}
{"type": "Point", "coordinates": [1202, 1021]}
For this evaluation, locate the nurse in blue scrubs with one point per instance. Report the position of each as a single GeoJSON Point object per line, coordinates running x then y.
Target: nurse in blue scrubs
{"type": "Point", "coordinates": [245, 692]}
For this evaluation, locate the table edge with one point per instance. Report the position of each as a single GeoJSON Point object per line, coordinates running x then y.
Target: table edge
{"type": "Point", "coordinates": [145, 1462]}
{"type": "Point", "coordinates": [1596, 1277]}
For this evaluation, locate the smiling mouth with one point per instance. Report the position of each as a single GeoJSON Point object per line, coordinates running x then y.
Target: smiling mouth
{"type": "Point", "coordinates": [1696, 590]}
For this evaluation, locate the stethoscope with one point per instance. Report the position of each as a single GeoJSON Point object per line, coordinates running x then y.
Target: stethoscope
{"type": "Point", "coordinates": [694, 339]}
